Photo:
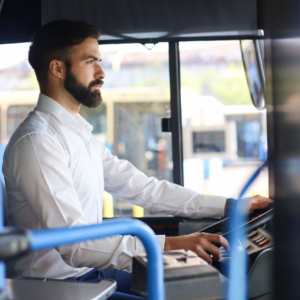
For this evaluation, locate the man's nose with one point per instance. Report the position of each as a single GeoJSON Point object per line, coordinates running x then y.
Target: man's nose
{"type": "Point", "coordinates": [99, 74]}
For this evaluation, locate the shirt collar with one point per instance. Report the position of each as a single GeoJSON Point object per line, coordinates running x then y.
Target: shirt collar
{"type": "Point", "coordinates": [46, 103]}
{"type": "Point", "coordinates": [84, 123]}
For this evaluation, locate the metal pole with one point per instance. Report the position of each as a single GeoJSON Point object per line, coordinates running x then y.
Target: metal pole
{"type": "Point", "coordinates": [62, 236]}
{"type": "Point", "coordinates": [174, 68]}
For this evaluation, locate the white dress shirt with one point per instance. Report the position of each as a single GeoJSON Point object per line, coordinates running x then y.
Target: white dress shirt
{"type": "Point", "coordinates": [55, 174]}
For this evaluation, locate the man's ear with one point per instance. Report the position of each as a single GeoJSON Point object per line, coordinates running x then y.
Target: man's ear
{"type": "Point", "coordinates": [57, 68]}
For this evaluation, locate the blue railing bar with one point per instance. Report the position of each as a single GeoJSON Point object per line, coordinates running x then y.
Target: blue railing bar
{"type": "Point", "coordinates": [62, 236]}
{"type": "Point", "coordinates": [252, 178]}
{"type": "Point", "coordinates": [238, 266]}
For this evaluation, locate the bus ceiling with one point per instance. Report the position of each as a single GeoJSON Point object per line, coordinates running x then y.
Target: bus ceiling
{"type": "Point", "coordinates": [131, 21]}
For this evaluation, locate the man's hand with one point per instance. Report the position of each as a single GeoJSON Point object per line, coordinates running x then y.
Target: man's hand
{"type": "Point", "coordinates": [199, 243]}
{"type": "Point", "coordinates": [258, 202]}
{"type": "Point", "coordinates": [255, 202]}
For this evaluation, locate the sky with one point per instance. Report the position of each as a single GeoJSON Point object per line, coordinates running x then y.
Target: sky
{"type": "Point", "coordinates": [12, 54]}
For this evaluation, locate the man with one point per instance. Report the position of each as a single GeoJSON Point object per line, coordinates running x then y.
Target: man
{"type": "Point", "coordinates": [56, 170]}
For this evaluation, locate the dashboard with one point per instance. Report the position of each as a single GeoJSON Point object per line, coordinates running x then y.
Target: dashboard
{"type": "Point", "coordinates": [259, 230]}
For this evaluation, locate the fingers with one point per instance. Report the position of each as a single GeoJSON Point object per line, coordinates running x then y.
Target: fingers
{"type": "Point", "coordinates": [214, 251]}
{"type": "Point", "coordinates": [259, 202]}
{"type": "Point", "coordinates": [215, 238]}
{"type": "Point", "coordinates": [203, 254]}
{"type": "Point", "coordinates": [262, 204]}
{"type": "Point", "coordinates": [200, 243]}
{"type": "Point", "coordinates": [205, 245]}
{"type": "Point", "coordinates": [261, 199]}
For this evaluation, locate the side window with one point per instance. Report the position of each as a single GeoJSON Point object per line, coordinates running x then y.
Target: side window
{"type": "Point", "coordinates": [15, 115]}
{"type": "Point", "coordinates": [224, 136]}
{"type": "Point", "coordinates": [19, 90]}
{"type": "Point", "coordinates": [97, 117]}
{"type": "Point", "coordinates": [136, 96]}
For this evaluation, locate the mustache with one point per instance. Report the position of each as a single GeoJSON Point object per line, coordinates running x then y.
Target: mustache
{"type": "Point", "coordinates": [96, 82]}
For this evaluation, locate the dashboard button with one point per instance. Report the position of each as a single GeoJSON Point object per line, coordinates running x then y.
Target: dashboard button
{"type": "Point", "coordinates": [263, 243]}
{"type": "Point", "coordinates": [252, 234]}
{"type": "Point", "coordinates": [259, 239]}
{"type": "Point", "coordinates": [249, 247]}
{"type": "Point", "coordinates": [222, 249]}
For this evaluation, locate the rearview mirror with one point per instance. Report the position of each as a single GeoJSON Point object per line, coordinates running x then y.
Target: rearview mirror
{"type": "Point", "coordinates": [254, 69]}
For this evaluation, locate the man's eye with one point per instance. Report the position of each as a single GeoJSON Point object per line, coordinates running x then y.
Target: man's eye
{"type": "Point", "coordinates": [90, 61]}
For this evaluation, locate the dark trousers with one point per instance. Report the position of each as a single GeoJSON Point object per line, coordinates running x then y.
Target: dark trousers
{"type": "Point", "coordinates": [122, 278]}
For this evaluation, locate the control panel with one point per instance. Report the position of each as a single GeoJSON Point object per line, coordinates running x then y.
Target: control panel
{"type": "Point", "coordinates": [186, 276]}
{"type": "Point", "coordinates": [258, 240]}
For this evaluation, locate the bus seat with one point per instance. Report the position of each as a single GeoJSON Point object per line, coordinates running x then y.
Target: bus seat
{"type": "Point", "coordinates": [53, 290]}
{"type": "Point", "coordinates": [260, 277]}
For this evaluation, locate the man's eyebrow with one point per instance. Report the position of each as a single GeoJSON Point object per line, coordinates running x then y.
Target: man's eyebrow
{"type": "Point", "coordinates": [93, 57]}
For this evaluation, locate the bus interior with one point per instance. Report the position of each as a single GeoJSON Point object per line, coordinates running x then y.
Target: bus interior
{"type": "Point", "coordinates": [204, 94]}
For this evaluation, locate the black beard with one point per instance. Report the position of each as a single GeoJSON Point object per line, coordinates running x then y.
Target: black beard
{"type": "Point", "coordinates": [81, 93]}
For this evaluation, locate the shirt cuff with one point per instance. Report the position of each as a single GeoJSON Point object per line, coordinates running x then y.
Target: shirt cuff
{"type": "Point", "coordinates": [161, 239]}
{"type": "Point", "coordinates": [230, 206]}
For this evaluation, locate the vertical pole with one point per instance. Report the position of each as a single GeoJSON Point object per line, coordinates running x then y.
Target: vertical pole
{"type": "Point", "coordinates": [282, 63]}
{"type": "Point", "coordinates": [285, 165]}
{"type": "Point", "coordinates": [174, 69]}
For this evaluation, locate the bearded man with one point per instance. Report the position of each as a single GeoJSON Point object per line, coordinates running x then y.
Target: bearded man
{"type": "Point", "coordinates": [56, 170]}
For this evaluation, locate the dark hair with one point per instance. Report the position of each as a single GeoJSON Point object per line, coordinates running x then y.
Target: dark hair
{"type": "Point", "coordinates": [54, 41]}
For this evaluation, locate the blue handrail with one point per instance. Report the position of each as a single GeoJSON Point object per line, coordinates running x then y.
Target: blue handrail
{"type": "Point", "coordinates": [62, 236]}
{"type": "Point", "coordinates": [237, 289]}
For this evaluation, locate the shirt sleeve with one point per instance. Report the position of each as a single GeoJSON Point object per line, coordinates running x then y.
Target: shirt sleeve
{"type": "Point", "coordinates": [123, 180]}
{"type": "Point", "coordinates": [38, 166]}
